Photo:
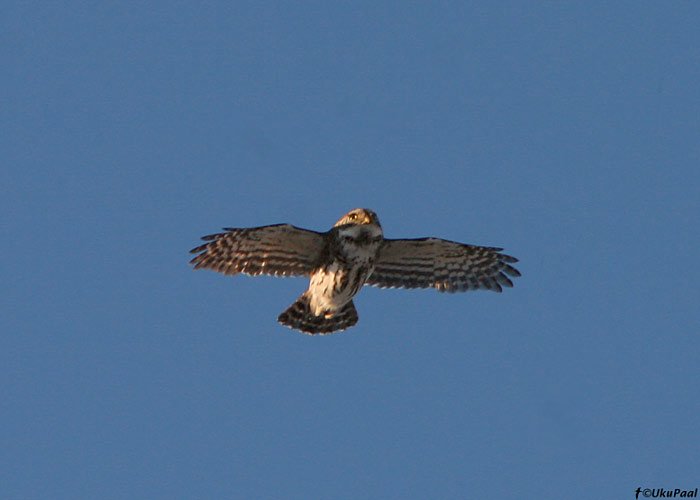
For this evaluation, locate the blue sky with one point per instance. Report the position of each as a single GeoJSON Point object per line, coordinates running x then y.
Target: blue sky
{"type": "Point", "coordinates": [566, 132]}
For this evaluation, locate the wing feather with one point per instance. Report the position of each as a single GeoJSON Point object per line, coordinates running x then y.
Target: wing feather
{"type": "Point", "coordinates": [445, 265]}
{"type": "Point", "coordinates": [277, 250]}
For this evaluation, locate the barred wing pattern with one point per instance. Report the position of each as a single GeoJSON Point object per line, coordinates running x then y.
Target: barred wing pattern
{"type": "Point", "coordinates": [278, 250]}
{"type": "Point", "coordinates": [445, 265]}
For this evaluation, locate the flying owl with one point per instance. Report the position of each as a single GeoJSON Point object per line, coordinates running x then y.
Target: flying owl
{"type": "Point", "coordinates": [352, 254]}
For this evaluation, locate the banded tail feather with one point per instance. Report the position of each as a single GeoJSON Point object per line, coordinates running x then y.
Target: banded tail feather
{"type": "Point", "coordinates": [300, 317]}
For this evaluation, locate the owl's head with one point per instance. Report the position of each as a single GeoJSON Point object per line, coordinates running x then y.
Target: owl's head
{"type": "Point", "coordinates": [358, 217]}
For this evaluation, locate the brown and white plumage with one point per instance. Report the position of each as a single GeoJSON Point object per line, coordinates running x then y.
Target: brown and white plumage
{"type": "Point", "coordinates": [278, 250]}
{"type": "Point", "coordinates": [445, 265]}
{"type": "Point", "coordinates": [351, 254]}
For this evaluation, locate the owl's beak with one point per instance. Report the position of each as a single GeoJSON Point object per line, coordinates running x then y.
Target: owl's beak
{"type": "Point", "coordinates": [367, 219]}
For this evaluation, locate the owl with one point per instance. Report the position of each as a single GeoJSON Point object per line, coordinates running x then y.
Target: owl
{"type": "Point", "coordinates": [339, 262]}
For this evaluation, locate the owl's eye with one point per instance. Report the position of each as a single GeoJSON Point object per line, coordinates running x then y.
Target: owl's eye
{"type": "Point", "coordinates": [353, 216]}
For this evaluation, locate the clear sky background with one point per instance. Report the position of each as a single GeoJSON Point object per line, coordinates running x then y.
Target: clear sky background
{"type": "Point", "coordinates": [566, 132]}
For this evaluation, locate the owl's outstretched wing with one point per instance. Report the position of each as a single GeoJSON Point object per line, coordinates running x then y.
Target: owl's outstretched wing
{"type": "Point", "coordinates": [278, 250]}
{"type": "Point", "coordinates": [445, 265]}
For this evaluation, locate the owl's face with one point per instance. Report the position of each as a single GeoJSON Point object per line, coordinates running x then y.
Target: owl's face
{"type": "Point", "coordinates": [358, 216]}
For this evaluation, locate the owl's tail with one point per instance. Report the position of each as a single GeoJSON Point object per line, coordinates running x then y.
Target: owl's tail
{"type": "Point", "coordinates": [300, 317]}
